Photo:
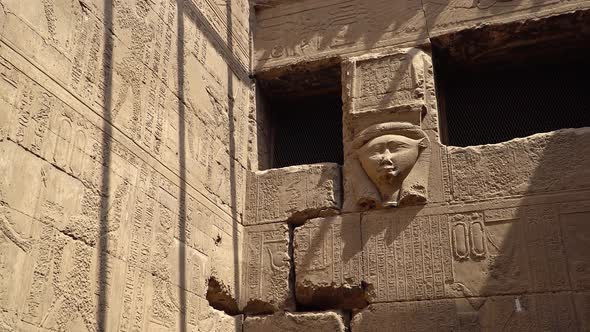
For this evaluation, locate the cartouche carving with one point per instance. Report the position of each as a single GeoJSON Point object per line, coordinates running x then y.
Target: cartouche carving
{"type": "Point", "coordinates": [390, 165]}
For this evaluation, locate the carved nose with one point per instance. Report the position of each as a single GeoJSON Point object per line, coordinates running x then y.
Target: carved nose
{"type": "Point", "coordinates": [386, 160]}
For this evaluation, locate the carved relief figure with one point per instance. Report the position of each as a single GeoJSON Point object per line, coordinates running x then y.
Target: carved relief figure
{"type": "Point", "coordinates": [389, 165]}
{"type": "Point", "coordinates": [131, 67]}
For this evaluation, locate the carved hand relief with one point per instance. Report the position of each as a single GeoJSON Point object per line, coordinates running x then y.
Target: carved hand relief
{"type": "Point", "coordinates": [389, 165]}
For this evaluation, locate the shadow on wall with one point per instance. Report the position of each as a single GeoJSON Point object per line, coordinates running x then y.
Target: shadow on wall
{"type": "Point", "coordinates": [539, 247]}
{"type": "Point", "coordinates": [517, 257]}
{"type": "Point", "coordinates": [363, 22]}
{"type": "Point", "coordinates": [181, 165]}
{"type": "Point", "coordinates": [107, 67]}
{"type": "Point", "coordinates": [510, 254]}
{"type": "Point", "coordinates": [103, 263]}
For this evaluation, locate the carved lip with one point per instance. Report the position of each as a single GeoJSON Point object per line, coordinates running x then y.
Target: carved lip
{"type": "Point", "coordinates": [390, 170]}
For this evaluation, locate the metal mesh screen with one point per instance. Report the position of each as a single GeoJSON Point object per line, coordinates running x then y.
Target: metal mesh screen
{"type": "Point", "coordinates": [307, 130]}
{"type": "Point", "coordinates": [495, 103]}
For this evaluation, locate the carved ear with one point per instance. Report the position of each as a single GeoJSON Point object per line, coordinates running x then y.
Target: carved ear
{"type": "Point", "coordinates": [423, 143]}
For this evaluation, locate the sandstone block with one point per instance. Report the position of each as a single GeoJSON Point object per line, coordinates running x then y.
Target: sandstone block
{"type": "Point", "coordinates": [575, 226]}
{"type": "Point", "coordinates": [293, 193]}
{"type": "Point", "coordinates": [307, 30]}
{"type": "Point", "coordinates": [582, 303]}
{"type": "Point", "coordinates": [327, 321]}
{"type": "Point", "coordinates": [548, 312]}
{"type": "Point", "coordinates": [410, 254]}
{"type": "Point", "coordinates": [396, 86]}
{"type": "Point", "coordinates": [212, 320]}
{"type": "Point", "coordinates": [460, 15]}
{"type": "Point", "coordinates": [266, 268]}
{"type": "Point", "coordinates": [486, 171]}
{"type": "Point", "coordinates": [328, 262]}
{"type": "Point", "coordinates": [406, 257]}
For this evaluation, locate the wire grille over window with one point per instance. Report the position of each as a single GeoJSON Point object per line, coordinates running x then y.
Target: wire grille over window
{"type": "Point", "coordinates": [499, 82]}
{"type": "Point", "coordinates": [308, 131]}
{"type": "Point", "coordinates": [498, 104]}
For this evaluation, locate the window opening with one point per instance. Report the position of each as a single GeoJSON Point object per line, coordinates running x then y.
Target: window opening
{"type": "Point", "coordinates": [303, 105]}
{"type": "Point", "coordinates": [501, 82]}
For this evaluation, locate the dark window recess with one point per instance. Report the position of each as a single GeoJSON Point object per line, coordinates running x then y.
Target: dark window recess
{"type": "Point", "coordinates": [502, 82]}
{"type": "Point", "coordinates": [307, 131]}
{"type": "Point", "coordinates": [304, 106]}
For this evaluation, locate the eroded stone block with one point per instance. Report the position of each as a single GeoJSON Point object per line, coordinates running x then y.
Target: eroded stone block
{"type": "Point", "coordinates": [398, 87]}
{"type": "Point", "coordinates": [217, 321]}
{"type": "Point", "coordinates": [502, 256]}
{"type": "Point", "coordinates": [406, 257]}
{"type": "Point", "coordinates": [575, 225]}
{"type": "Point", "coordinates": [461, 15]}
{"type": "Point", "coordinates": [548, 312]}
{"type": "Point", "coordinates": [522, 166]}
{"type": "Point", "coordinates": [293, 193]}
{"type": "Point", "coordinates": [327, 321]}
{"type": "Point", "coordinates": [582, 303]}
{"type": "Point", "coordinates": [266, 268]}
{"type": "Point", "coordinates": [304, 30]}
{"type": "Point", "coordinates": [328, 263]}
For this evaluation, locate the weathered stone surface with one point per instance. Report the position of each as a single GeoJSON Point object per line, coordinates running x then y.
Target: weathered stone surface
{"type": "Point", "coordinates": [128, 129]}
{"type": "Point", "coordinates": [460, 15]}
{"type": "Point", "coordinates": [542, 312]}
{"type": "Point", "coordinates": [521, 166]}
{"type": "Point", "coordinates": [266, 268]}
{"type": "Point", "coordinates": [389, 94]}
{"type": "Point", "coordinates": [293, 193]}
{"type": "Point", "coordinates": [112, 189]}
{"type": "Point", "coordinates": [327, 321]}
{"type": "Point", "coordinates": [66, 40]}
{"type": "Point", "coordinates": [328, 263]}
{"type": "Point", "coordinates": [406, 257]}
{"type": "Point", "coordinates": [310, 29]}
{"type": "Point", "coordinates": [217, 321]}
{"type": "Point", "coordinates": [397, 86]}
{"type": "Point", "coordinates": [519, 247]}
{"type": "Point", "coordinates": [387, 165]}
{"type": "Point", "coordinates": [582, 303]}
{"type": "Point", "coordinates": [575, 227]}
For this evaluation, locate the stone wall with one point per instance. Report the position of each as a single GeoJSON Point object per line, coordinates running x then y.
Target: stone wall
{"type": "Point", "coordinates": [126, 134]}
{"type": "Point", "coordinates": [490, 237]}
{"type": "Point", "coordinates": [131, 196]}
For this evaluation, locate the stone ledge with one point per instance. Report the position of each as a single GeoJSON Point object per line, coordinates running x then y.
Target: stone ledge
{"type": "Point", "coordinates": [293, 193]}
{"type": "Point", "coordinates": [328, 321]}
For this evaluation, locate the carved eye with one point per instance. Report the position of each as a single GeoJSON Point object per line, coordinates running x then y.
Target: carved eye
{"type": "Point", "coordinates": [396, 146]}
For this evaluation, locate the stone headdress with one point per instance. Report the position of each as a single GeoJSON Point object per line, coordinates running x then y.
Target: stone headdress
{"type": "Point", "coordinates": [363, 192]}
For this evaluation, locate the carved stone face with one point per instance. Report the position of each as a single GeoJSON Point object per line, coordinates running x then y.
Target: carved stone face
{"type": "Point", "coordinates": [387, 160]}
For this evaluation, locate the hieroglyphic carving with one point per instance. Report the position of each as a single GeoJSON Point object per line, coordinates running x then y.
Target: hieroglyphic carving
{"type": "Point", "coordinates": [514, 250]}
{"type": "Point", "coordinates": [65, 264]}
{"type": "Point", "coordinates": [574, 219]}
{"type": "Point", "coordinates": [396, 81]}
{"type": "Point", "coordinates": [290, 32]}
{"type": "Point", "coordinates": [387, 165]}
{"type": "Point", "coordinates": [131, 67]}
{"type": "Point", "coordinates": [266, 268]}
{"type": "Point", "coordinates": [406, 257]}
{"type": "Point", "coordinates": [542, 312]}
{"type": "Point", "coordinates": [468, 237]}
{"type": "Point", "coordinates": [489, 171]}
{"type": "Point", "coordinates": [458, 15]}
{"type": "Point", "coordinates": [545, 249]}
{"type": "Point", "coordinates": [328, 260]}
{"type": "Point", "coordinates": [292, 193]}
{"type": "Point", "coordinates": [8, 231]}
{"type": "Point", "coordinates": [326, 321]}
